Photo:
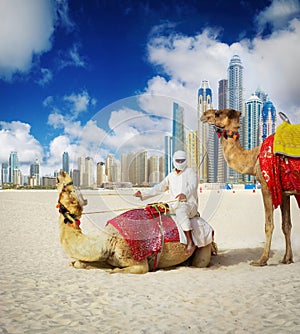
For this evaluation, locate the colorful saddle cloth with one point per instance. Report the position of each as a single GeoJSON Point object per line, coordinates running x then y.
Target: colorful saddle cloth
{"type": "Point", "coordinates": [280, 172]}
{"type": "Point", "coordinates": [287, 140]}
{"type": "Point", "coordinates": [144, 235]}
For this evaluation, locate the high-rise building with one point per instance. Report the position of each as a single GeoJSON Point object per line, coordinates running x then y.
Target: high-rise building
{"type": "Point", "coordinates": [75, 175]}
{"type": "Point", "coordinates": [126, 160]}
{"type": "Point", "coordinates": [154, 175]}
{"type": "Point", "coordinates": [111, 168]}
{"type": "Point", "coordinates": [12, 166]}
{"type": "Point", "coordinates": [100, 174]}
{"type": "Point", "coordinates": [138, 170]}
{"type": "Point", "coordinates": [235, 84]}
{"type": "Point", "coordinates": [4, 172]}
{"type": "Point", "coordinates": [268, 121]}
{"type": "Point", "coordinates": [35, 173]}
{"type": "Point", "coordinates": [168, 155]}
{"type": "Point", "coordinates": [89, 170]}
{"type": "Point", "coordinates": [204, 103]}
{"type": "Point", "coordinates": [65, 162]}
{"type": "Point", "coordinates": [83, 176]}
{"type": "Point", "coordinates": [236, 101]}
{"type": "Point", "coordinates": [222, 104]}
{"type": "Point", "coordinates": [192, 150]}
{"type": "Point", "coordinates": [253, 111]}
{"type": "Point", "coordinates": [178, 134]}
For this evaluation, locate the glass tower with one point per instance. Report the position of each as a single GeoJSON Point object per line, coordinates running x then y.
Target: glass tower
{"type": "Point", "coordinates": [204, 103]}
{"type": "Point", "coordinates": [178, 128]}
{"type": "Point", "coordinates": [268, 120]}
{"type": "Point", "coordinates": [13, 165]}
{"type": "Point", "coordinates": [235, 100]}
{"type": "Point", "coordinates": [65, 162]}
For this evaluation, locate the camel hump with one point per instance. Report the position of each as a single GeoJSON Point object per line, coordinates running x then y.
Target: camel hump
{"type": "Point", "coordinates": [287, 140]}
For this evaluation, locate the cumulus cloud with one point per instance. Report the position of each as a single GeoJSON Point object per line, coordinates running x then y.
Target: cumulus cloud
{"type": "Point", "coordinates": [25, 30]}
{"type": "Point", "coordinates": [278, 14]}
{"type": "Point", "coordinates": [16, 136]}
{"type": "Point", "coordinates": [79, 102]}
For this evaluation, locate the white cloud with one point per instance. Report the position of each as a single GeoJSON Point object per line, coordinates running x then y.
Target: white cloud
{"type": "Point", "coordinates": [278, 14]}
{"type": "Point", "coordinates": [46, 77]}
{"type": "Point", "coordinates": [79, 102]}
{"type": "Point", "coordinates": [71, 58]}
{"type": "Point", "coordinates": [16, 136]}
{"type": "Point", "coordinates": [25, 30]}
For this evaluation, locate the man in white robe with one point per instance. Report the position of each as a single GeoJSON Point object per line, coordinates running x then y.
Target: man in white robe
{"type": "Point", "coordinates": [182, 184]}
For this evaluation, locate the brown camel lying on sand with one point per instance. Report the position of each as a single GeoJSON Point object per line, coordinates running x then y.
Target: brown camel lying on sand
{"type": "Point", "coordinates": [108, 248]}
{"type": "Point", "coordinates": [227, 124]}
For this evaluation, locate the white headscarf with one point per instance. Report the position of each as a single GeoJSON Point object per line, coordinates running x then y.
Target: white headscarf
{"type": "Point", "coordinates": [179, 155]}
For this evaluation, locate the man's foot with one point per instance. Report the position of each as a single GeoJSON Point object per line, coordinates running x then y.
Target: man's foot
{"type": "Point", "coordinates": [190, 248]}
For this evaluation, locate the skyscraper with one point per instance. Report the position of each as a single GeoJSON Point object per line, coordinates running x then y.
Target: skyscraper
{"type": "Point", "coordinates": [178, 133]}
{"type": "Point", "coordinates": [138, 171]}
{"type": "Point", "coordinates": [268, 121]}
{"type": "Point", "coordinates": [204, 103]}
{"type": "Point", "coordinates": [251, 126]}
{"type": "Point", "coordinates": [168, 155]}
{"type": "Point", "coordinates": [235, 84]}
{"type": "Point", "coordinates": [222, 104]}
{"type": "Point", "coordinates": [153, 170]}
{"type": "Point", "coordinates": [192, 150]}
{"type": "Point", "coordinates": [35, 172]}
{"type": "Point", "coordinates": [236, 100]}
{"type": "Point", "coordinates": [65, 162]}
{"type": "Point", "coordinates": [4, 172]}
{"type": "Point", "coordinates": [12, 166]}
{"type": "Point", "coordinates": [100, 174]}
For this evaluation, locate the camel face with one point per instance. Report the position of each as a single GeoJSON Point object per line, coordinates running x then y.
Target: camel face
{"type": "Point", "coordinates": [227, 119]}
{"type": "Point", "coordinates": [68, 196]}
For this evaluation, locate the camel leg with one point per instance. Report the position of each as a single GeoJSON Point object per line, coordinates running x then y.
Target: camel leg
{"type": "Point", "coordinates": [140, 267]}
{"type": "Point", "coordinates": [269, 226]}
{"type": "Point", "coordinates": [202, 256]}
{"type": "Point", "coordinates": [286, 228]}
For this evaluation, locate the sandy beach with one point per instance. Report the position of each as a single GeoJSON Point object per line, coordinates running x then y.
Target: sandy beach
{"type": "Point", "coordinates": [41, 293]}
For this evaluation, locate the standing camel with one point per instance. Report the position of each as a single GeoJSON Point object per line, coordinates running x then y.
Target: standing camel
{"type": "Point", "coordinates": [227, 123]}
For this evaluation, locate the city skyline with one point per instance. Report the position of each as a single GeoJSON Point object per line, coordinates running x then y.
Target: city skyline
{"type": "Point", "coordinates": [101, 77]}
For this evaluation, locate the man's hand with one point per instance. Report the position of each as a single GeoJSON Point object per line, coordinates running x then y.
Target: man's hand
{"type": "Point", "coordinates": [181, 198]}
{"type": "Point", "coordinates": [138, 194]}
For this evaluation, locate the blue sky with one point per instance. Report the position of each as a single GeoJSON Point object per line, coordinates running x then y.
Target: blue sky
{"type": "Point", "coordinates": [93, 77]}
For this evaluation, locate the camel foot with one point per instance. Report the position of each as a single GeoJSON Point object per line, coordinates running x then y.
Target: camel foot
{"type": "Point", "coordinates": [259, 263]}
{"type": "Point", "coordinates": [286, 261]}
{"type": "Point", "coordinates": [78, 264]}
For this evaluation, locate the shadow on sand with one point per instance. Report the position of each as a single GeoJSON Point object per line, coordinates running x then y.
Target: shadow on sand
{"type": "Point", "coordinates": [231, 257]}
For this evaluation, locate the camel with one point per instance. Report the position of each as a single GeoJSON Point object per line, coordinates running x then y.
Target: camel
{"type": "Point", "coordinates": [108, 249]}
{"type": "Point", "coordinates": [246, 162]}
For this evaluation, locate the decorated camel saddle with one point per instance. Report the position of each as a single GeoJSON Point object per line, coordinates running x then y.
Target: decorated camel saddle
{"type": "Point", "coordinates": [279, 159]}
{"type": "Point", "coordinates": [147, 230]}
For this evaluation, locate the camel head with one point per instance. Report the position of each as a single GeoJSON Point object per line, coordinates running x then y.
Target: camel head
{"type": "Point", "coordinates": [70, 200]}
{"type": "Point", "coordinates": [227, 119]}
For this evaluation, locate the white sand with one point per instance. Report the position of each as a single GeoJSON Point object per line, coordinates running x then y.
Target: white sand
{"type": "Point", "coordinates": [40, 293]}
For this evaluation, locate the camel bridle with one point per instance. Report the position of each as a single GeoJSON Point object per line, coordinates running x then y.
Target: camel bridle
{"type": "Point", "coordinates": [221, 132]}
{"type": "Point", "coordinates": [68, 216]}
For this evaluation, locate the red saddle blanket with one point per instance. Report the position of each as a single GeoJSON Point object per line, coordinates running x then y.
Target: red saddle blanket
{"type": "Point", "coordinates": [143, 234]}
{"type": "Point", "coordinates": [280, 172]}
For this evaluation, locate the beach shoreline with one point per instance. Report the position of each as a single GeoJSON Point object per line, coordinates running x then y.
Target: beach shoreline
{"type": "Point", "coordinates": [41, 293]}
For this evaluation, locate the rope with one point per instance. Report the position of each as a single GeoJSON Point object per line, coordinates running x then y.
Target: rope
{"type": "Point", "coordinates": [123, 209]}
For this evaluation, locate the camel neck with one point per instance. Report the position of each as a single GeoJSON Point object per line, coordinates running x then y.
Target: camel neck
{"type": "Point", "coordinates": [241, 160]}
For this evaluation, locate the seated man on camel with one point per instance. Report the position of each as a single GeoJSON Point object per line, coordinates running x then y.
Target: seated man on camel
{"type": "Point", "coordinates": [182, 184]}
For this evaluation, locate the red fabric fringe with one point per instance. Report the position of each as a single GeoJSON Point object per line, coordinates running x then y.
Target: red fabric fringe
{"type": "Point", "coordinates": [279, 175]}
